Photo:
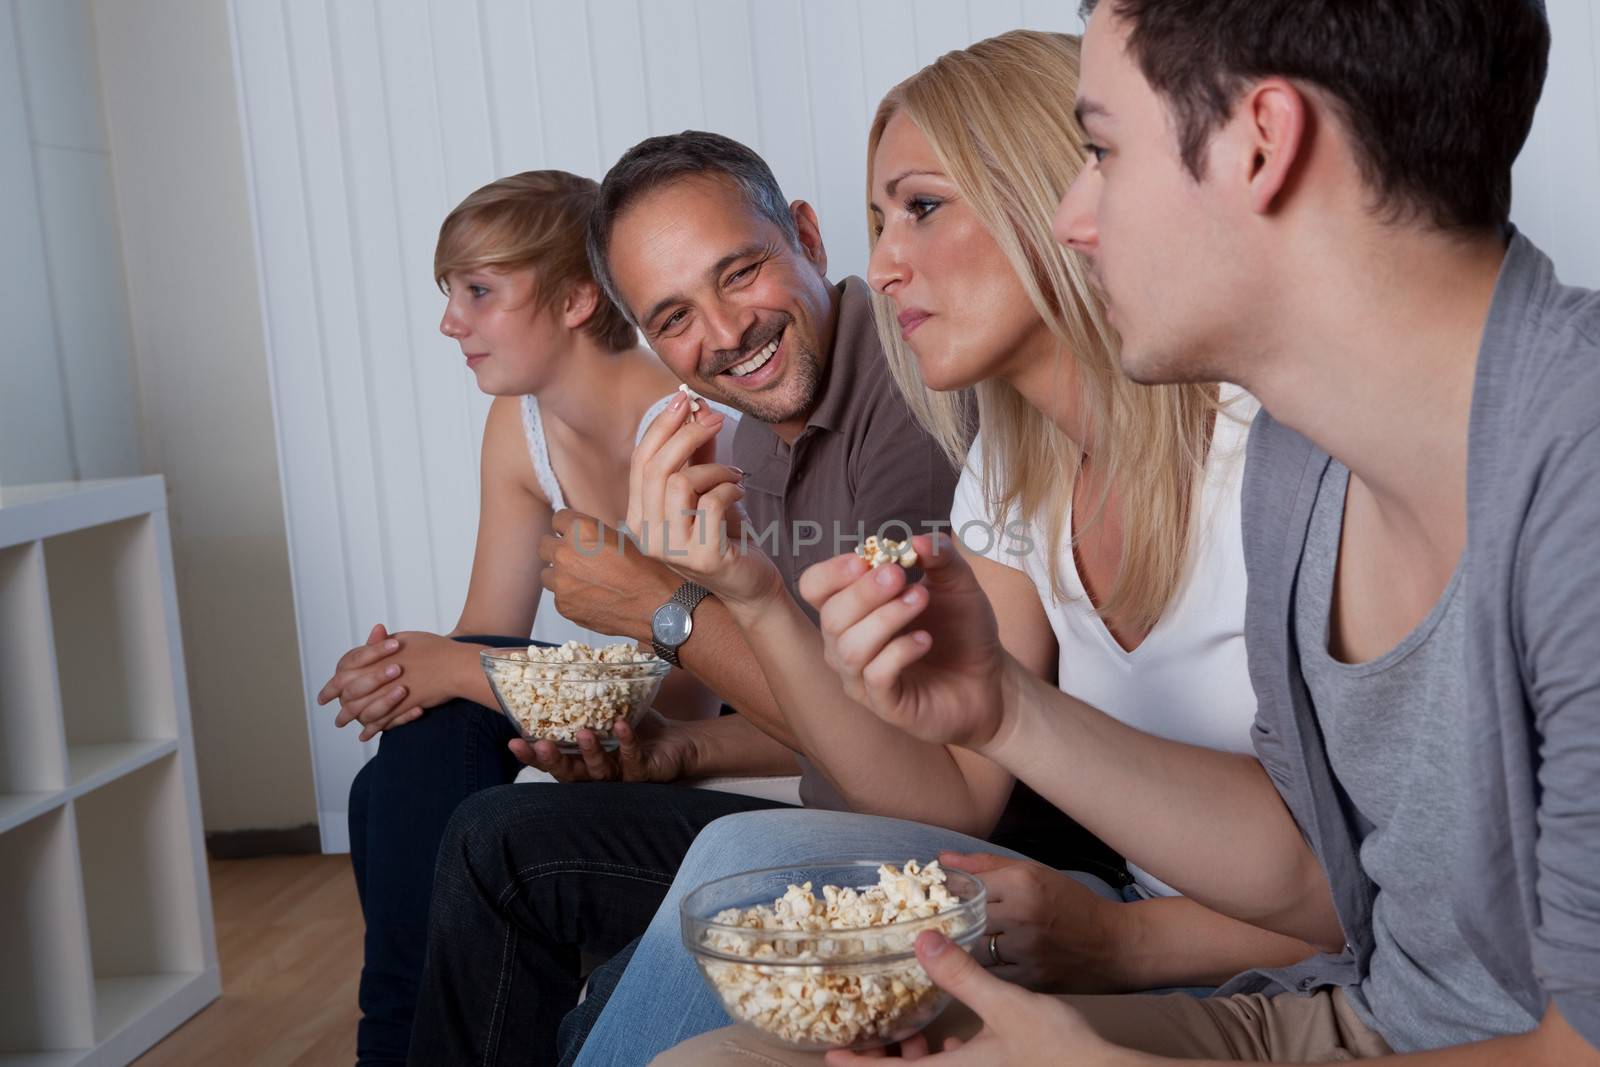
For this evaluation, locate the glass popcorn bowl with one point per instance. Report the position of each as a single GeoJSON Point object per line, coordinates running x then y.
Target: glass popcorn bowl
{"type": "Point", "coordinates": [850, 988]}
{"type": "Point", "coordinates": [552, 701]}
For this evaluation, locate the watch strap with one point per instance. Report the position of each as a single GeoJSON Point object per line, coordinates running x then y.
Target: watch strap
{"type": "Point", "coordinates": [689, 594]}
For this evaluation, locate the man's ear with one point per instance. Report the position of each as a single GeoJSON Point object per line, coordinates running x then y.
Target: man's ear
{"type": "Point", "coordinates": [805, 222]}
{"type": "Point", "coordinates": [583, 299]}
{"type": "Point", "coordinates": [1276, 117]}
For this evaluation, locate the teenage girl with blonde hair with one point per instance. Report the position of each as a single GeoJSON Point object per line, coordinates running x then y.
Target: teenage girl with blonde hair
{"type": "Point", "coordinates": [572, 391]}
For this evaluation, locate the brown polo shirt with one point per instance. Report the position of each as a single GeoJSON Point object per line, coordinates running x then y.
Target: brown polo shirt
{"type": "Point", "coordinates": [861, 462]}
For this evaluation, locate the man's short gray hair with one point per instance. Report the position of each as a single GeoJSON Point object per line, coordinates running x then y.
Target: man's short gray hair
{"type": "Point", "coordinates": [658, 161]}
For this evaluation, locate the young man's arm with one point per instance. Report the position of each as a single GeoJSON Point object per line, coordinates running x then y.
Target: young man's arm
{"type": "Point", "coordinates": [1211, 824]}
{"type": "Point", "coordinates": [1557, 605]}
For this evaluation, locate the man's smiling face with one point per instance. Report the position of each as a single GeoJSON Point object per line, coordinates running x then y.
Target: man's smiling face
{"type": "Point", "coordinates": [730, 305]}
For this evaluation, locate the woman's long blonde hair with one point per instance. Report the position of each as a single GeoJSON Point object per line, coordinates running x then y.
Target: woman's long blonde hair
{"type": "Point", "coordinates": [998, 116]}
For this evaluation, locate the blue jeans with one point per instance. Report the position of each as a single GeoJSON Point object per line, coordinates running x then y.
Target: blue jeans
{"type": "Point", "coordinates": [400, 802]}
{"type": "Point", "coordinates": [662, 999]}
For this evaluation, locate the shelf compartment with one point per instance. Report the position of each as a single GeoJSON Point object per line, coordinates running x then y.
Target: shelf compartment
{"type": "Point", "coordinates": [46, 1005]}
{"type": "Point", "coordinates": [32, 761]}
{"type": "Point", "coordinates": [109, 622]}
{"type": "Point", "coordinates": [145, 930]}
{"type": "Point", "coordinates": [95, 765]}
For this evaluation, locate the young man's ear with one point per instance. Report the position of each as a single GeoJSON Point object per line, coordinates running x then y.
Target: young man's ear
{"type": "Point", "coordinates": [1276, 132]}
{"type": "Point", "coordinates": [805, 222]}
{"type": "Point", "coordinates": [583, 299]}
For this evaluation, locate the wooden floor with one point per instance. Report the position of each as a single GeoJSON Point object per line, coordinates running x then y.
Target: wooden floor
{"type": "Point", "coordinates": [289, 941]}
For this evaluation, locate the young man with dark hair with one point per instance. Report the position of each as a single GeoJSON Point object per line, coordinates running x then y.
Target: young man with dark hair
{"type": "Point", "coordinates": [1310, 198]}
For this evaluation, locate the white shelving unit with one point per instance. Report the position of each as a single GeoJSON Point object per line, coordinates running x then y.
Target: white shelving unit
{"type": "Point", "coordinates": [106, 939]}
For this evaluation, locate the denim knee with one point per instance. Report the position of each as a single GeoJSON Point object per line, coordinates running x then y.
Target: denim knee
{"type": "Point", "coordinates": [743, 842]}
{"type": "Point", "coordinates": [476, 828]}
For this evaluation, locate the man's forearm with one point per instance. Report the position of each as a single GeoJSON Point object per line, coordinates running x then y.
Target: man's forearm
{"type": "Point", "coordinates": [1209, 823]}
{"type": "Point", "coordinates": [732, 746]}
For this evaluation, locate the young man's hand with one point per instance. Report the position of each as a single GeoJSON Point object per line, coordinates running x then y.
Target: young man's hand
{"type": "Point", "coordinates": [658, 750]}
{"type": "Point", "coordinates": [602, 581]}
{"type": "Point", "coordinates": [927, 657]}
{"type": "Point", "coordinates": [1019, 1028]}
{"type": "Point", "coordinates": [393, 678]}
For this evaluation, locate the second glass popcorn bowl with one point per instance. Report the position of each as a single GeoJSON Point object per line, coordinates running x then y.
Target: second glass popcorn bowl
{"type": "Point", "coordinates": [552, 701]}
{"type": "Point", "coordinates": [854, 988]}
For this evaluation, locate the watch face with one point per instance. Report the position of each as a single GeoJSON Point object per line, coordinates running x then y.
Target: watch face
{"type": "Point", "coordinates": [671, 624]}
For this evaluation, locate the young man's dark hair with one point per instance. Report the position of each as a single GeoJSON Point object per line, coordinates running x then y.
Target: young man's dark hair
{"type": "Point", "coordinates": [658, 161]}
{"type": "Point", "coordinates": [1439, 95]}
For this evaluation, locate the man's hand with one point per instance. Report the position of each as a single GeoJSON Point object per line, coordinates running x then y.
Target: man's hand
{"type": "Point", "coordinates": [1019, 1027]}
{"type": "Point", "coordinates": [658, 750]}
{"type": "Point", "coordinates": [877, 634]}
{"type": "Point", "coordinates": [688, 515]}
{"type": "Point", "coordinates": [600, 580]}
{"type": "Point", "coordinates": [1055, 935]}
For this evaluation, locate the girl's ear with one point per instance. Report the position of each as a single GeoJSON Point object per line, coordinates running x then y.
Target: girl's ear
{"type": "Point", "coordinates": [583, 299]}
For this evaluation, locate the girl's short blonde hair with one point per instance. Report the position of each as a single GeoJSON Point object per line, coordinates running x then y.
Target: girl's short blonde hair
{"type": "Point", "coordinates": [537, 221]}
{"type": "Point", "coordinates": [998, 115]}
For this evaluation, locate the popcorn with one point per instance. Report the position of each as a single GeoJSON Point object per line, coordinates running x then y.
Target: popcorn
{"type": "Point", "coordinates": [845, 998]}
{"type": "Point", "coordinates": [694, 401]}
{"type": "Point", "coordinates": [555, 692]}
{"type": "Point", "coordinates": [880, 550]}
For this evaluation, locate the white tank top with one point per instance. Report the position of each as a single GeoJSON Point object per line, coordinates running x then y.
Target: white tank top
{"type": "Point", "coordinates": [549, 624]}
{"type": "Point", "coordinates": [1188, 681]}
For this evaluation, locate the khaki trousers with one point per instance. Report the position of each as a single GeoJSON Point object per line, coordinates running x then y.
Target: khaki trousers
{"type": "Point", "coordinates": [1321, 1028]}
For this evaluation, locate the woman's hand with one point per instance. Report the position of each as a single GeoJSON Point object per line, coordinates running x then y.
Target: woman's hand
{"type": "Point", "coordinates": [687, 513]}
{"type": "Point", "coordinates": [927, 657]}
{"type": "Point", "coordinates": [1053, 934]}
{"type": "Point", "coordinates": [393, 678]}
{"type": "Point", "coordinates": [657, 750]}
{"type": "Point", "coordinates": [1019, 1028]}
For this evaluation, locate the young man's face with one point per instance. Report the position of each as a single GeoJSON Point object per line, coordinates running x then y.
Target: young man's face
{"type": "Point", "coordinates": [1166, 251]}
{"type": "Point", "coordinates": [726, 301]}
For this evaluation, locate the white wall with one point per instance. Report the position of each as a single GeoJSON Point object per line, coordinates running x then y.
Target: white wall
{"type": "Point", "coordinates": [366, 121]}
{"type": "Point", "coordinates": [172, 112]}
{"type": "Point", "coordinates": [67, 406]}
{"type": "Point", "coordinates": [1556, 183]}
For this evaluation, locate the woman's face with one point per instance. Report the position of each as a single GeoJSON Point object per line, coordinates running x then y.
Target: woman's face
{"type": "Point", "coordinates": [962, 311]}
{"type": "Point", "coordinates": [509, 342]}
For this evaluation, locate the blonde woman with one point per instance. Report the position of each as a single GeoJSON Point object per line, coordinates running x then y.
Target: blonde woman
{"type": "Point", "coordinates": [1101, 518]}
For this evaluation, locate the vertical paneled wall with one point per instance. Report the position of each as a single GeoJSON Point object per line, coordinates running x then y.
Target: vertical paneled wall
{"type": "Point", "coordinates": [67, 407]}
{"type": "Point", "coordinates": [366, 121]}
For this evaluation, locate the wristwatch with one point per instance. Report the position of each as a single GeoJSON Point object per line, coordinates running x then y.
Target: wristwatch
{"type": "Point", "coordinates": [673, 621]}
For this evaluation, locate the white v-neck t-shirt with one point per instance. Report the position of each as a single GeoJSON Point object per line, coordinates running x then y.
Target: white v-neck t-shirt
{"type": "Point", "coordinates": [1188, 680]}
